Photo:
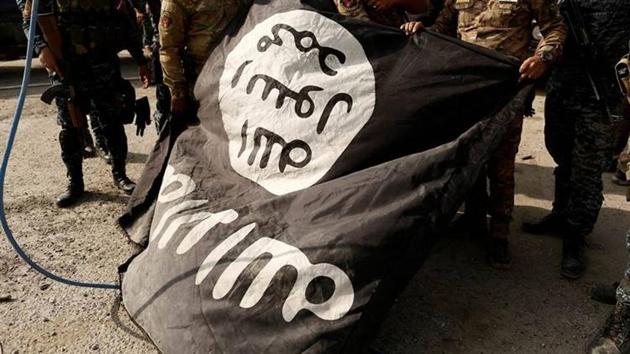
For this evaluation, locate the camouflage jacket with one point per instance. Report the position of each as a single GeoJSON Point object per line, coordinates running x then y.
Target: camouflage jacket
{"type": "Point", "coordinates": [25, 9]}
{"type": "Point", "coordinates": [504, 25]}
{"type": "Point", "coordinates": [85, 26]}
{"type": "Point", "coordinates": [607, 23]}
{"type": "Point", "coordinates": [193, 28]}
{"type": "Point", "coordinates": [360, 9]}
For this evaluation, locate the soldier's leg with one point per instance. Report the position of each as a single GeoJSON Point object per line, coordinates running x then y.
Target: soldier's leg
{"type": "Point", "coordinates": [476, 214]}
{"type": "Point", "coordinates": [100, 141]}
{"type": "Point", "coordinates": [501, 176]}
{"type": "Point", "coordinates": [117, 142]}
{"type": "Point", "coordinates": [594, 136]}
{"type": "Point", "coordinates": [71, 155]}
{"type": "Point", "coordinates": [559, 137]}
{"type": "Point", "coordinates": [592, 149]}
{"type": "Point", "coordinates": [103, 93]}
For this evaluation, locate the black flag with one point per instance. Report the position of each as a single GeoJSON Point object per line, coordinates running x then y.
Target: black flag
{"type": "Point", "coordinates": [328, 154]}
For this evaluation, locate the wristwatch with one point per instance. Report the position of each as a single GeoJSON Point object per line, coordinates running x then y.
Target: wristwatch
{"type": "Point", "coordinates": [546, 56]}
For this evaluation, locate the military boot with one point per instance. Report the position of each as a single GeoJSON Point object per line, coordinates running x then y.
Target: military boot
{"type": "Point", "coordinates": [72, 156]}
{"type": "Point", "coordinates": [103, 152]}
{"type": "Point", "coordinates": [119, 174]}
{"type": "Point", "coordinates": [74, 189]}
{"type": "Point", "coordinates": [500, 256]}
{"type": "Point", "coordinates": [100, 142]}
{"type": "Point", "coordinates": [117, 142]}
{"type": "Point", "coordinates": [573, 263]}
{"type": "Point", "coordinates": [615, 336]}
{"type": "Point", "coordinates": [122, 181]}
{"type": "Point", "coordinates": [605, 293]}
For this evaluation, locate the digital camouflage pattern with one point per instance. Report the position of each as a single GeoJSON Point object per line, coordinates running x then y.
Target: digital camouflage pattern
{"type": "Point", "coordinates": [503, 25]}
{"type": "Point", "coordinates": [361, 9]}
{"type": "Point", "coordinates": [195, 26]}
{"type": "Point", "coordinates": [578, 133]}
{"type": "Point", "coordinates": [93, 32]}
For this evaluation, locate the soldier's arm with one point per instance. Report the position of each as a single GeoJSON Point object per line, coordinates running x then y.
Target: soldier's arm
{"type": "Point", "coordinates": [172, 43]}
{"type": "Point", "coordinates": [25, 9]}
{"type": "Point", "coordinates": [446, 22]}
{"type": "Point", "coordinates": [131, 38]}
{"type": "Point", "coordinates": [552, 27]}
{"type": "Point", "coordinates": [352, 8]}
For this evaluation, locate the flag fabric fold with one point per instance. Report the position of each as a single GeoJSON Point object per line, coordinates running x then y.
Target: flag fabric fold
{"type": "Point", "coordinates": [328, 155]}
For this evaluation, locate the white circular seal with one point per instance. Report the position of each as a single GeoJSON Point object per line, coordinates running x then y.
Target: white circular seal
{"type": "Point", "coordinates": [294, 93]}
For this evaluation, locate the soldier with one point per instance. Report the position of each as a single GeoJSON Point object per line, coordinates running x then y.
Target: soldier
{"type": "Point", "coordinates": [188, 31]}
{"type": "Point", "coordinates": [385, 12]}
{"type": "Point", "coordinates": [579, 132]}
{"type": "Point", "coordinates": [162, 94]}
{"type": "Point", "coordinates": [505, 26]}
{"type": "Point", "coordinates": [80, 45]}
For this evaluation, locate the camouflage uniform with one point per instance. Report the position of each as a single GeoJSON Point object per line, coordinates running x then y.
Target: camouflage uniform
{"type": "Point", "coordinates": [193, 27]}
{"type": "Point", "coordinates": [360, 9]}
{"type": "Point", "coordinates": [93, 31]}
{"type": "Point", "coordinates": [505, 26]}
{"type": "Point", "coordinates": [578, 133]}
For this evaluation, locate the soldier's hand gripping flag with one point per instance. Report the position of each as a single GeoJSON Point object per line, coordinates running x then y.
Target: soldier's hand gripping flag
{"type": "Point", "coordinates": [328, 154]}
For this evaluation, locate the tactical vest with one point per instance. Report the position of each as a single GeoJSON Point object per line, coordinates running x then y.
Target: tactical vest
{"type": "Point", "coordinates": [89, 26]}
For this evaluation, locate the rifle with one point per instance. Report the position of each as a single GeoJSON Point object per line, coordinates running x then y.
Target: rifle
{"type": "Point", "coordinates": [575, 22]}
{"type": "Point", "coordinates": [61, 88]}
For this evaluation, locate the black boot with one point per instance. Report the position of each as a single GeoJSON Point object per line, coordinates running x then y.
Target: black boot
{"type": "Point", "coordinates": [103, 152]}
{"type": "Point", "coordinates": [573, 264]}
{"type": "Point", "coordinates": [117, 143]}
{"type": "Point", "coordinates": [72, 156]}
{"type": "Point", "coordinates": [500, 257]}
{"type": "Point", "coordinates": [123, 182]}
{"type": "Point", "coordinates": [73, 192]}
{"type": "Point", "coordinates": [550, 224]}
{"type": "Point", "coordinates": [615, 336]}
{"type": "Point", "coordinates": [605, 293]}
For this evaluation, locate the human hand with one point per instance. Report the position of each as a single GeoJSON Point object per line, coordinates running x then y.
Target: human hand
{"type": "Point", "coordinates": [533, 68]}
{"type": "Point", "coordinates": [145, 75]}
{"type": "Point", "coordinates": [411, 28]}
{"type": "Point", "coordinates": [49, 62]}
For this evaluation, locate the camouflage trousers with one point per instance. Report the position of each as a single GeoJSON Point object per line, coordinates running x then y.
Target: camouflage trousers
{"type": "Point", "coordinates": [580, 138]}
{"type": "Point", "coordinates": [96, 89]}
{"type": "Point", "coordinates": [499, 172]}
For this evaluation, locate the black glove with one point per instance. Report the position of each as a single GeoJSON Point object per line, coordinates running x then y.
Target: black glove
{"type": "Point", "coordinates": [143, 115]}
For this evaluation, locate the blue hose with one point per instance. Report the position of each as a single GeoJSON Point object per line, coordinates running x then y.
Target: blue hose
{"type": "Point", "coordinates": [5, 163]}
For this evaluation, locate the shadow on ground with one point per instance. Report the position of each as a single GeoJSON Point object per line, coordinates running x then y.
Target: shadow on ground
{"type": "Point", "coordinates": [458, 304]}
